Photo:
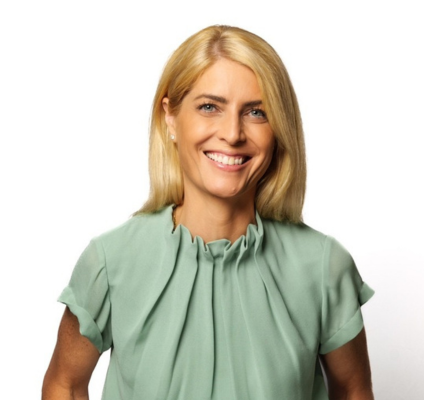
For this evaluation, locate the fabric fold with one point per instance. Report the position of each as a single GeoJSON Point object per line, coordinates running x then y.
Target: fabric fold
{"type": "Point", "coordinates": [365, 294]}
{"type": "Point", "coordinates": [87, 326]}
{"type": "Point", "coordinates": [218, 320]}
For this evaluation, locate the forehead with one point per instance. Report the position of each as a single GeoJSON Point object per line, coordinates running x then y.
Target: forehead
{"type": "Point", "coordinates": [227, 78]}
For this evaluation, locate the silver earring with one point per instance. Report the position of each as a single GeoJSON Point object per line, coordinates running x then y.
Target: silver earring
{"type": "Point", "coordinates": [172, 137]}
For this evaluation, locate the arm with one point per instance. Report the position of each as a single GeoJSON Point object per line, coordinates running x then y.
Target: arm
{"type": "Point", "coordinates": [72, 364]}
{"type": "Point", "coordinates": [348, 371]}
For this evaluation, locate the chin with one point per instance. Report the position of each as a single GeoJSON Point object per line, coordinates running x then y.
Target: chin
{"type": "Point", "coordinates": [228, 192]}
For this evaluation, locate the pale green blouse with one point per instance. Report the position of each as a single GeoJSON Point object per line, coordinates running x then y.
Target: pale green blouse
{"type": "Point", "coordinates": [187, 320]}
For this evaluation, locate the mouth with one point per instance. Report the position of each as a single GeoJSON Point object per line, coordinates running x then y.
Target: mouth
{"type": "Point", "coordinates": [225, 159]}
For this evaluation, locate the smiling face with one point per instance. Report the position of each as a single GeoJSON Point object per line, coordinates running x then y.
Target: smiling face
{"type": "Point", "coordinates": [224, 140]}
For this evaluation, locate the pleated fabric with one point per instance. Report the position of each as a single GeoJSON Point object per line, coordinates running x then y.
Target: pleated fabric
{"type": "Point", "coordinates": [187, 320]}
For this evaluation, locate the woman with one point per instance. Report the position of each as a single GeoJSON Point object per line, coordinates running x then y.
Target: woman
{"type": "Point", "coordinates": [215, 289]}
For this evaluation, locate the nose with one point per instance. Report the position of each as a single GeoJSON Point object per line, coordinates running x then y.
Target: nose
{"type": "Point", "coordinates": [231, 129]}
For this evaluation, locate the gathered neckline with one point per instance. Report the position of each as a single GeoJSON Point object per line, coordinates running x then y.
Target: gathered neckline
{"type": "Point", "coordinates": [252, 237]}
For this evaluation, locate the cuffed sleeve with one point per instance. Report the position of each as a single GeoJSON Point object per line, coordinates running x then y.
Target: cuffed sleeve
{"type": "Point", "coordinates": [87, 296]}
{"type": "Point", "coordinates": [343, 294]}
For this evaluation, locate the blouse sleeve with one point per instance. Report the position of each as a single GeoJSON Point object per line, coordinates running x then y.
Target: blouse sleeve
{"type": "Point", "coordinates": [87, 296]}
{"type": "Point", "coordinates": [344, 292]}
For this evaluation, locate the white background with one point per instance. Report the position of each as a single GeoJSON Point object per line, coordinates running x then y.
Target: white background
{"type": "Point", "coordinates": [76, 84]}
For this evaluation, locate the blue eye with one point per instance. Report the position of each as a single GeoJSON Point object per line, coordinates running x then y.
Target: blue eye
{"type": "Point", "coordinates": [207, 107]}
{"type": "Point", "coordinates": [257, 113]}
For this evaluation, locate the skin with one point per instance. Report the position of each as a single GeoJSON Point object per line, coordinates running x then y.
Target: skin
{"type": "Point", "coordinates": [348, 371]}
{"type": "Point", "coordinates": [222, 114]}
{"type": "Point", "coordinates": [73, 361]}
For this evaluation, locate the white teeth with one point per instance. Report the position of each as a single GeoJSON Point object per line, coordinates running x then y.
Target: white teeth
{"type": "Point", "coordinates": [226, 160]}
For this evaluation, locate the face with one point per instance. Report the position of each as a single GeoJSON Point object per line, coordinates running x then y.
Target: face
{"type": "Point", "coordinates": [222, 134]}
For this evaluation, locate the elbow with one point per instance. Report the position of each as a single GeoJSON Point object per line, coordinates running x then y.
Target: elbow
{"type": "Point", "coordinates": [56, 388]}
{"type": "Point", "coordinates": [359, 393]}
{"type": "Point", "coordinates": [53, 389]}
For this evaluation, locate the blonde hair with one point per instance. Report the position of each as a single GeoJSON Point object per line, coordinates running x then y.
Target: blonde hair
{"type": "Point", "coordinates": [280, 193]}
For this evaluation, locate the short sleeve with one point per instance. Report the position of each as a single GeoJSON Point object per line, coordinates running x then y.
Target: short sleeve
{"type": "Point", "coordinates": [343, 294]}
{"type": "Point", "coordinates": [87, 296]}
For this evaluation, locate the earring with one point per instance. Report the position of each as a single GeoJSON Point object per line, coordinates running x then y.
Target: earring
{"type": "Point", "coordinates": [172, 137]}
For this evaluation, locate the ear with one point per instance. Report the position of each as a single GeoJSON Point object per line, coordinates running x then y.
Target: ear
{"type": "Point", "coordinates": [169, 118]}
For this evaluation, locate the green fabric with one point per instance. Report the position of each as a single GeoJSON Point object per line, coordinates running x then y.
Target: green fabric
{"type": "Point", "coordinates": [221, 321]}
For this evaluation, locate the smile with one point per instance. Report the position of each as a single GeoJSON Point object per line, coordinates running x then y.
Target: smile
{"type": "Point", "coordinates": [226, 160]}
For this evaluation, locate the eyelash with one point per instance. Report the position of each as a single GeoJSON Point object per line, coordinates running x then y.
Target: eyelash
{"type": "Point", "coordinates": [213, 107]}
{"type": "Point", "coordinates": [260, 111]}
{"type": "Point", "coordinates": [203, 107]}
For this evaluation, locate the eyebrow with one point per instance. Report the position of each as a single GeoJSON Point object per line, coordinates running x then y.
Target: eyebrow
{"type": "Point", "coordinates": [223, 100]}
{"type": "Point", "coordinates": [219, 99]}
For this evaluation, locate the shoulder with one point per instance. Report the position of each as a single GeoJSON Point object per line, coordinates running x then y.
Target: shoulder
{"type": "Point", "coordinates": [139, 229]}
{"type": "Point", "coordinates": [307, 243]}
{"type": "Point", "coordinates": [298, 236]}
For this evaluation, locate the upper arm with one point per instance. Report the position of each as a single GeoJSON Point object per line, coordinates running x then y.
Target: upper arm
{"type": "Point", "coordinates": [73, 360]}
{"type": "Point", "coordinates": [348, 370]}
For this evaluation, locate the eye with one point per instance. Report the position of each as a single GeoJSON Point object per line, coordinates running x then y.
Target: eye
{"type": "Point", "coordinates": [207, 107]}
{"type": "Point", "coordinates": [257, 113]}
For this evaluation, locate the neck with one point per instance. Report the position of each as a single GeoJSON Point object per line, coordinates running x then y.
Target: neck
{"type": "Point", "coordinates": [216, 219]}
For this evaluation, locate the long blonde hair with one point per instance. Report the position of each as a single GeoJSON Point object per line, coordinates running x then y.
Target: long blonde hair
{"type": "Point", "coordinates": [280, 193]}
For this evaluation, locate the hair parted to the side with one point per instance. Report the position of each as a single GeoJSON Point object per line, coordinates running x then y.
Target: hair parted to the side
{"type": "Point", "coordinates": [280, 193]}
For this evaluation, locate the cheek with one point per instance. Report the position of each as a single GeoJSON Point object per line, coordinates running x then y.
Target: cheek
{"type": "Point", "coordinates": [188, 130]}
{"type": "Point", "coordinates": [268, 144]}
{"type": "Point", "coordinates": [269, 149]}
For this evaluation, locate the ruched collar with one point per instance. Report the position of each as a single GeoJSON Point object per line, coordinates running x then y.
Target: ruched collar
{"type": "Point", "coordinates": [217, 248]}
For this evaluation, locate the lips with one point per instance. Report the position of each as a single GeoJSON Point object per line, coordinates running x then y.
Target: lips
{"type": "Point", "coordinates": [225, 159]}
